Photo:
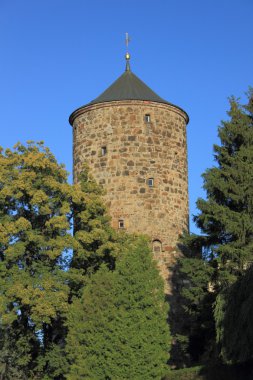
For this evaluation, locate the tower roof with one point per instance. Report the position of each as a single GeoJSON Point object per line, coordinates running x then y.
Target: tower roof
{"type": "Point", "coordinates": [128, 87]}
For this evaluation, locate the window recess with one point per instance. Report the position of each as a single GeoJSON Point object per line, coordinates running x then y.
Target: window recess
{"type": "Point", "coordinates": [121, 223]}
{"type": "Point", "coordinates": [103, 150]}
{"type": "Point", "coordinates": [151, 182]}
{"type": "Point", "coordinates": [157, 246]}
{"type": "Point", "coordinates": [147, 118]}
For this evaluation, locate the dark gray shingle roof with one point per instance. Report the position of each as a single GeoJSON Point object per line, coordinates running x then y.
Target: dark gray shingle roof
{"type": "Point", "coordinates": [128, 87]}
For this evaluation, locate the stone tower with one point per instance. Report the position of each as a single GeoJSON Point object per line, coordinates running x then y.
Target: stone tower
{"type": "Point", "coordinates": [135, 145]}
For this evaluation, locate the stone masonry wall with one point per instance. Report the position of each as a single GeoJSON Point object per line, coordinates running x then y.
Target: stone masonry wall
{"type": "Point", "coordinates": [125, 152]}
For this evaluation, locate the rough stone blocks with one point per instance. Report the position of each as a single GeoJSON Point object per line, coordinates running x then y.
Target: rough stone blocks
{"type": "Point", "coordinates": [137, 150]}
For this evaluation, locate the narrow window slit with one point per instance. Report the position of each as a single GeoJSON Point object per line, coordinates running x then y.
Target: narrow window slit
{"type": "Point", "coordinates": [151, 182]}
{"type": "Point", "coordinates": [121, 223]}
{"type": "Point", "coordinates": [103, 150]}
{"type": "Point", "coordinates": [147, 118]}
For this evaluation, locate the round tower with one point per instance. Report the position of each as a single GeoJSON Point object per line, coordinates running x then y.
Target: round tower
{"type": "Point", "coordinates": [135, 145]}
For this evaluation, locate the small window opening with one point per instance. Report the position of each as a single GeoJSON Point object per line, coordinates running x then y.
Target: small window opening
{"type": "Point", "coordinates": [103, 150]}
{"type": "Point", "coordinates": [151, 182]}
{"type": "Point", "coordinates": [147, 118]}
{"type": "Point", "coordinates": [121, 223]}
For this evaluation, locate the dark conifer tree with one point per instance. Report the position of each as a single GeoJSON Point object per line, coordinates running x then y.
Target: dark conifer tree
{"type": "Point", "coordinates": [118, 328]}
{"type": "Point", "coordinates": [234, 315]}
{"type": "Point", "coordinates": [226, 216]}
{"type": "Point", "coordinates": [226, 221]}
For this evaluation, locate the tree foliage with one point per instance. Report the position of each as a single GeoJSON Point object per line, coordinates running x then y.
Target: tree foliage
{"type": "Point", "coordinates": [96, 242]}
{"type": "Point", "coordinates": [34, 234]}
{"type": "Point", "coordinates": [236, 252]}
{"type": "Point", "coordinates": [45, 264]}
{"type": "Point", "coordinates": [226, 216]}
{"type": "Point", "coordinates": [118, 328]}
{"type": "Point", "coordinates": [193, 326]}
{"type": "Point", "coordinates": [38, 272]}
{"type": "Point", "coordinates": [226, 221]}
{"type": "Point", "coordinates": [234, 315]}
{"type": "Point", "coordinates": [197, 310]}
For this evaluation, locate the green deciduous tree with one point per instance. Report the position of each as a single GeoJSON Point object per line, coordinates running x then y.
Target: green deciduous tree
{"type": "Point", "coordinates": [38, 272]}
{"type": "Point", "coordinates": [118, 328]}
{"type": "Point", "coordinates": [96, 242]}
{"type": "Point", "coordinates": [34, 233]}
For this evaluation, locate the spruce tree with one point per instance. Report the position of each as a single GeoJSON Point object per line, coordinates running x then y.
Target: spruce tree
{"type": "Point", "coordinates": [118, 329]}
{"type": "Point", "coordinates": [227, 219]}
{"type": "Point", "coordinates": [234, 315]}
{"type": "Point", "coordinates": [226, 222]}
{"type": "Point", "coordinates": [226, 216]}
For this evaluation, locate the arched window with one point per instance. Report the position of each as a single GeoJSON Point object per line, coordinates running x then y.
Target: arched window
{"type": "Point", "coordinates": [157, 246]}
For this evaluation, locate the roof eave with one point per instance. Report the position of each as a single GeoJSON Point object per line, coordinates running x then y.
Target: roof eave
{"type": "Point", "coordinates": [74, 113]}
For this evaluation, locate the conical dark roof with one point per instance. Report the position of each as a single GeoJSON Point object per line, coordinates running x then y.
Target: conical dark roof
{"type": "Point", "coordinates": [128, 87]}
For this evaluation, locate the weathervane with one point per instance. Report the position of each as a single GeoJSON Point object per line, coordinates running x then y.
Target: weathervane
{"type": "Point", "coordinates": [127, 56]}
{"type": "Point", "coordinates": [127, 40]}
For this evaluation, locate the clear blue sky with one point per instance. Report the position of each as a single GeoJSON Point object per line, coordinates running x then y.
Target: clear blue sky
{"type": "Point", "coordinates": [57, 55]}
